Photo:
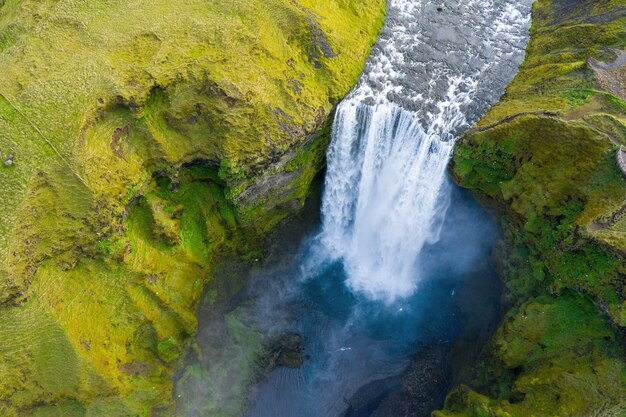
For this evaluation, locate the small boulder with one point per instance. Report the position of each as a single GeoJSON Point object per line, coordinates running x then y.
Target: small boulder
{"type": "Point", "coordinates": [286, 351]}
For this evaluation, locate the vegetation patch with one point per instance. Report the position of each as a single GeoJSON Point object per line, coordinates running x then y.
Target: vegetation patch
{"type": "Point", "coordinates": [134, 146]}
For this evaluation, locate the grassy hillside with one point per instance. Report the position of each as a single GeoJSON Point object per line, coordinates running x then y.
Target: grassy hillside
{"type": "Point", "coordinates": [544, 159]}
{"type": "Point", "coordinates": [147, 139]}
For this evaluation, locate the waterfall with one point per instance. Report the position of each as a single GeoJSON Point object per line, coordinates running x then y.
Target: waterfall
{"type": "Point", "coordinates": [431, 75]}
{"type": "Point", "coordinates": [383, 181]}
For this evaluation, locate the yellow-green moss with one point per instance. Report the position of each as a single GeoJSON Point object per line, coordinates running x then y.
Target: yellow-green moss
{"type": "Point", "coordinates": [551, 357]}
{"type": "Point", "coordinates": [555, 178]}
{"type": "Point", "coordinates": [137, 129]}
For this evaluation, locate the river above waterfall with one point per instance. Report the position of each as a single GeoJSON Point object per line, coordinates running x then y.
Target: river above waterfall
{"type": "Point", "coordinates": [399, 267]}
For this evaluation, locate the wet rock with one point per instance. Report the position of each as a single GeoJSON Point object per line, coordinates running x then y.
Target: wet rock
{"type": "Point", "coordinates": [287, 351]}
{"type": "Point", "coordinates": [369, 397]}
{"type": "Point", "coordinates": [424, 387]}
{"type": "Point", "coordinates": [611, 76]}
{"type": "Point", "coordinates": [416, 393]}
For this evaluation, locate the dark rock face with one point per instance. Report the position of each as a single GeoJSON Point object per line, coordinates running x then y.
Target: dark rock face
{"type": "Point", "coordinates": [286, 352]}
{"type": "Point", "coordinates": [423, 386]}
{"type": "Point", "coordinates": [370, 396]}
{"type": "Point", "coordinates": [416, 393]}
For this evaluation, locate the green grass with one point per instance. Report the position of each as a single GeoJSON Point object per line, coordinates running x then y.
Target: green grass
{"type": "Point", "coordinates": [221, 388]}
{"type": "Point", "coordinates": [578, 97]}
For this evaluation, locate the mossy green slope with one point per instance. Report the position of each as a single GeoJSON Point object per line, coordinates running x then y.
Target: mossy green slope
{"type": "Point", "coordinates": [149, 138]}
{"type": "Point", "coordinates": [544, 159]}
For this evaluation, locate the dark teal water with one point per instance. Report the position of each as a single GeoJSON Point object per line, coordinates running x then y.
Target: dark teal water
{"type": "Point", "coordinates": [350, 341]}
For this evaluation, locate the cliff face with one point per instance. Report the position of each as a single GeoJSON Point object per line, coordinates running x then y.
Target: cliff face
{"type": "Point", "coordinates": [545, 160]}
{"type": "Point", "coordinates": [142, 140]}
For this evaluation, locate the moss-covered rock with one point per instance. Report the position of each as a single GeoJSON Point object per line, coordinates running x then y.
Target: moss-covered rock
{"type": "Point", "coordinates": [148, 139]}
{"type": "Point", "coordinates": [552, 356]}
{"type": "Point", "coordinates": [544, 160]}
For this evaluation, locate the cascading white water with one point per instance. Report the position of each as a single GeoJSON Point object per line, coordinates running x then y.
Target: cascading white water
{"type": "Point", "coordinates": [430, 76]}
{"type": "Point", "coordinates": [383, 180]}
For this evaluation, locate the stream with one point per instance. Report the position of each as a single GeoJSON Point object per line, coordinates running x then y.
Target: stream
{"type": "Point", "coordinates": [399, 267]}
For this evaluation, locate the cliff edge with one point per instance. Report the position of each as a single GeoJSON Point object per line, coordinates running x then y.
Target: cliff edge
{"type": "Point", "coordinates": [545, 160]}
